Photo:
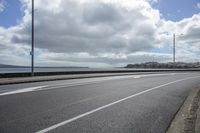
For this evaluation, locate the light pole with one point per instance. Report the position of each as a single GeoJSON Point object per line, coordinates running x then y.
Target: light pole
{"type": "Point", "coordinates": [174, 48]}
{"type": "Point", "coordinates": [32, 41]}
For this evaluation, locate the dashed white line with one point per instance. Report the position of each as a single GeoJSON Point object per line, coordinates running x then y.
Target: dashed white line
{"type": "Point", "coordinates": [49, 87]}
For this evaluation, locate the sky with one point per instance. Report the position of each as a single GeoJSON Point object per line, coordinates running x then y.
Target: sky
{"type": "Point", "coordinates": [10, 13]}
{"type": "Point", "coordinates": [99, 33]}
{"type": "Point", "coordinates": [177, 10]}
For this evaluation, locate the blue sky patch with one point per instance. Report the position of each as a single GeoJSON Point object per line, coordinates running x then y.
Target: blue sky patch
{"type": "Point", "coordinates": [167, 49]}
{"type": "Point", "coordinates": [177, 10]}
{"type": "Point", "coordinates": [11, 14]}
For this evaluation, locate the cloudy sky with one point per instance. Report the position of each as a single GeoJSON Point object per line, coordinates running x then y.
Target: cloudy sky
{"type": "Point", "coordinates": [99, 33]}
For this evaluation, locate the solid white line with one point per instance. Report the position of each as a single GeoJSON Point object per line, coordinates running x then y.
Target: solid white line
{"type": "Point", "coordinates": [40, 88]}
{"type": "Point", "coordinates": [108, 105]}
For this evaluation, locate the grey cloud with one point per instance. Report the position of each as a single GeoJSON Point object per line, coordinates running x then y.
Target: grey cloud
{"type": "Point", "coordinates": [193, 33]}
{"type": "Point", "coordinates": [94, 28]}
{"type": "Point", "coordinates": [120, 60]}
{"type": "Point", "coordinates": [101, 13]}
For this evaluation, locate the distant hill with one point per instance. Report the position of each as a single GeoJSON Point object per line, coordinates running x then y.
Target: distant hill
{"type": "Point", "coordinates": [164, 65]}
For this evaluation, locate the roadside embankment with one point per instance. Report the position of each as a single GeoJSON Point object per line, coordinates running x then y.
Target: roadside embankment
{"type": "Point", "coordinates": [187, 119]}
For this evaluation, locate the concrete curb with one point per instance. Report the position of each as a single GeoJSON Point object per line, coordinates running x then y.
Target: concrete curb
{"type": "Point", "coordinates": [197, 125]}
{"type": "Point", "coordinates": [187, 119]}
{"type": "Point", "coordinates": [19, 80]}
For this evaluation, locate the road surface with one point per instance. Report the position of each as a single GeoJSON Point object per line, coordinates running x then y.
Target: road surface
{"type": "Point", "coordinates": [121, 104]}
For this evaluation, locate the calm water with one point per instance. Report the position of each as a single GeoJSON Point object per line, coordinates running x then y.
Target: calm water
{"type": "Point", "coordinates": [18, 70]}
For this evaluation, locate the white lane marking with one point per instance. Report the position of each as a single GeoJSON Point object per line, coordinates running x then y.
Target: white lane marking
{"type": "Point", "coordinates": [137, 77]}
{"type": "Point", "coordinates": [108, 105]}
{"type": "Point", "coordinates": [106, 79]}
{"type": "Point", "coordinates": [22, 90]}
{"type": "Point", "coordinates": [49, 87]}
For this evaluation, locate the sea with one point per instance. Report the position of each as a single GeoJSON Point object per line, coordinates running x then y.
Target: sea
{"type": "Point", "coordinates": [52, 69]}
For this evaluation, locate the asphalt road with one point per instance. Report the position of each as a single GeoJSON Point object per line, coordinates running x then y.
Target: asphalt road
{"type": "Point", "coordinates": [123, 104]}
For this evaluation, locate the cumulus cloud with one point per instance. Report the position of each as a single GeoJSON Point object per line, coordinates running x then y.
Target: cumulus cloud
{"type": "Point", "coordinates": [104, 60]}
{"type": "Point", "coordinates": [97, 33]}
{"type": "Point", "coordinates": [93, 27]}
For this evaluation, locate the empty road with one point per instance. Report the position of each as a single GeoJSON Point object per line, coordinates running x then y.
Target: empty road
{"type": "Point", "coordinates": [120, 104]}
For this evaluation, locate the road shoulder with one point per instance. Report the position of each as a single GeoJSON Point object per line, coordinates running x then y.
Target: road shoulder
{"type": "Point", "coordinates": [187, 119]}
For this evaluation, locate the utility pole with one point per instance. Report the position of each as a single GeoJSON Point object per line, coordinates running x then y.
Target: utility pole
{"type": "Point", "coordinates": [32, 41]}
{"type": "Point", "coordinates": [174, 49]}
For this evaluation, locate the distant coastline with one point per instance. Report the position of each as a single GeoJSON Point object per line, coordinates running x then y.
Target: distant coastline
{"type": "Point", "coordinates": [164, 65]}
{"type": "Point", "coordinates": [15, 66]}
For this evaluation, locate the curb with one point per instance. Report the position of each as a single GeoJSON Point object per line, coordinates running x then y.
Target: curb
{"type": "Point", "coordinates": [197, 125]}
{"type": "Point", "coordinates": [187, 119]}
